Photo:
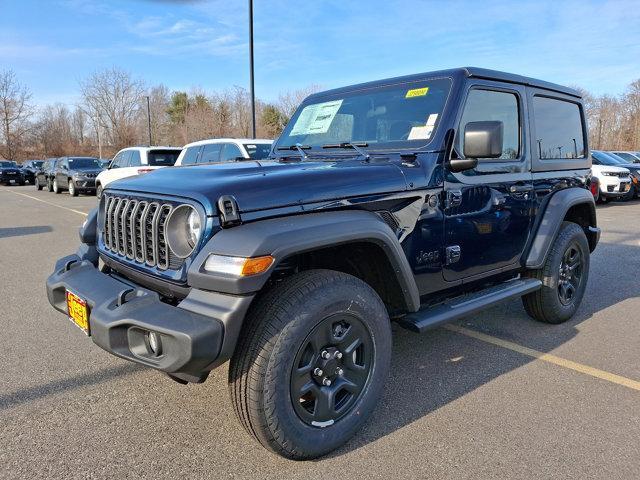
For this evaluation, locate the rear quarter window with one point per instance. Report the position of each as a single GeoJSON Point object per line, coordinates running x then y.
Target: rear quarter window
{"type": "Point", "coordinates": [558, 126]}
{"type": "Point", "coordinates": [191, 155]}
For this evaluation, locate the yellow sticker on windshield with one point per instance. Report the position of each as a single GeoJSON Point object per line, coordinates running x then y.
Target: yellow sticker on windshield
{"type": "Point", "coordinates": [417, 92]}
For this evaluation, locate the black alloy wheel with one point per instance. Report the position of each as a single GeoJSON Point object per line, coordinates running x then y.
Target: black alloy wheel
{"type": "Point", "coordinates": [570, 274]}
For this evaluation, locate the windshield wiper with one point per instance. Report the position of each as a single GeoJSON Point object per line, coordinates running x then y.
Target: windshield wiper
{"type": "Point", "coordinates": [355, 146]}
{"type": "Point", "coordinates": [300, 148]}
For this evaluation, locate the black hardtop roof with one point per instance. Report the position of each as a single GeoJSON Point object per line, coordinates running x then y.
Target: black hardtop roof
{"type": "Point", "coordinates": [469, 72]}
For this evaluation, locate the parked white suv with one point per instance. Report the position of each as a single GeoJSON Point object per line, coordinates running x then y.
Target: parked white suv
{"type": "Point", "coordinates": [615, 182]}
{"type": "Point", "coordinates": [224, 150]}
{"type": "Point", "coordinates": [135, 161]}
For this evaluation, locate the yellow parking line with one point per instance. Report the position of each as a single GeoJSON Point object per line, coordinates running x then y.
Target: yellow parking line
{"type": "Point", "coordinates": [49, 203]}
{"type": "Point", "coordinates": [547, 357]}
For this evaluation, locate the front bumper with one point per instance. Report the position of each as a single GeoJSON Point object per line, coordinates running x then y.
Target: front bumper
{"type": "Point", "coordinates": [121, 313]}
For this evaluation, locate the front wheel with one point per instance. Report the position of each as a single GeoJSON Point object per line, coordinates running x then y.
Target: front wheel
{"type": "Point", "coordinates": [36, 182]}
{"type": "Point", "coordinates": [564, 277]}
{"type": "Point", "coordinates": [311, 364]}
{"type": "Point", "coordinates": [56, 188]}
{"type": "Point", "coordinates": [49, 185]}
{"type": "Point", "coordinates": [73, 191]}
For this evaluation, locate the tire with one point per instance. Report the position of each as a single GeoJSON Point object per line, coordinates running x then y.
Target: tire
{"type": "Point", "coordinates": [99, 191]}
{"type": "Point", "coordinates": [37, 184]}
{"type": "Point", "coordinates": [563, 285]}
{"type": "Point", "coordinates": [73, 191]}
{"type": "Point", "coordinates": [56, 189]}
{"type": "Point", "coordinates": [49, 185]}
{"type": "Point", "coordinates": [281, 332]}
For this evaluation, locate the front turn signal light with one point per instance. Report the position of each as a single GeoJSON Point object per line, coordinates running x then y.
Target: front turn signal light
{"type": "Point", "coordinates": [238, 266]}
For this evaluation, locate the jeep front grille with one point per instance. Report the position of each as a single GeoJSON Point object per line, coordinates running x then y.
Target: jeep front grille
{"type": "Point", "coordinates": [135, 229]}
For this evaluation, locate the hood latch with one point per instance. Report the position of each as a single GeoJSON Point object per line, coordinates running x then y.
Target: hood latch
{"type": "Point", "coordinates": [229, 212]}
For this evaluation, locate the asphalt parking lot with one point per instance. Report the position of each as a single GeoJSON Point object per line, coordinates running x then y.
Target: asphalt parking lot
{"type": "Point", "coordinates": [478, 399]}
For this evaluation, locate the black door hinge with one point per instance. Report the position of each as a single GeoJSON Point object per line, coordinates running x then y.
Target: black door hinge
{"type": "Point", "coordinates": [453, 254]}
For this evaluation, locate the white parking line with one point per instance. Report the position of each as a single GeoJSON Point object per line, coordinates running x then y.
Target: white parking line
{"type": "Point", "coordinates": [48, 203]}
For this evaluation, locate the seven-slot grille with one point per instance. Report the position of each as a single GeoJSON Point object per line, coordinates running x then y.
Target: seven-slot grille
{"type": "Point", "coordinates": [135, 228]}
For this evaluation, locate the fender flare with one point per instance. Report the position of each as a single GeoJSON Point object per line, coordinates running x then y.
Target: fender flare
{"type": "Point", "coordinates": [551, 220]}
{"type": "Point", "coordinates": [286, 236]}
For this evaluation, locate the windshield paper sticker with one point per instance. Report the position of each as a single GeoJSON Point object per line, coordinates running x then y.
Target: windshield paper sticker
{"type": "Point", "coordinates": [424, 132]}
{"type": "Point", "coordinates": [417, 92]}
{"type": "Point", "coordinates": [316, 118]}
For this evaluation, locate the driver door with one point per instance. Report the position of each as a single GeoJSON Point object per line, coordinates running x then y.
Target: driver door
{"type": "Point", "coordinates": [488, 209]}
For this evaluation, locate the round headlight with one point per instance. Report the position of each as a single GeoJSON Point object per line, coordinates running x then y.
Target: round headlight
{"type": "Point", "coordinates": [193, 227]}
{"type": "Point", "coordinates": [183, 229]}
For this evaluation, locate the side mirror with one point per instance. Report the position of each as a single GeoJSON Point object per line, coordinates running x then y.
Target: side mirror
{"type": "Point", "coordinates": [483, 139]}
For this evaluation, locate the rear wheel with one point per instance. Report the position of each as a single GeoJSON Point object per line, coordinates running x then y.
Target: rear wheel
{"type": "Point", "coordinates": [564, 277]}
{"type": "Point", "coordinates": [311, 364]}
{"type": "Point", "coordinates": [99, 191]}
{"type": "Point", "coordinates": [36, 182]}
{"type": "Point", "coordinates": [49, 185]}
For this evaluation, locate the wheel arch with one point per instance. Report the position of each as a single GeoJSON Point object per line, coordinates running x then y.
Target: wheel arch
{"type": "Point", "coordinates": [354, 241]}
{"type": "Point", "coordinates": [572, 204]}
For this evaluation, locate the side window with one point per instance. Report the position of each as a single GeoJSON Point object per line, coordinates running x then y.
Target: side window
{"type": "Point", "coordinates": [230, 153]}
{"type": "Point", "coordinates": [191, 155]}
{"type": "Point", "coordinates": [558, 126]}
{"type": "Point", "coordinates": [134, 158]}
{"type": "Point", "coordinates": [210, 153]}
{"type": "Point", "coordinates": [117, 160]}
{"type": "Point", "coordinates": [490, 105]}
{"type": "Point", "coordinates": [126, 155]}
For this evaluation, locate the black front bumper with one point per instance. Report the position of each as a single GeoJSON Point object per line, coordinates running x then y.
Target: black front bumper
{"type": "Point", "coordinates": [121, 313]}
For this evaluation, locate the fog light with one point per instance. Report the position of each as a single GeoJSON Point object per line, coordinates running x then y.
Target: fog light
{"type": "Point", "coordinates": [155, 343]}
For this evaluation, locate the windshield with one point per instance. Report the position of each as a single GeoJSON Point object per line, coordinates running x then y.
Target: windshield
{"type": "Point", "coordinates": [258, 151]}
{"type": "Point", "coordinates": [396, 116]}
{"type": "Point", "coordinates": [162, 158]}
{"type": "Point", "coordinates": [83, 163]}
{"type": "Point", "coordinates": [6, 164]}
{"type": "Point", "coordinates": [626, 156]}
{"type": "Point", "coordinates": [38, 164]}
{"type": "Point", "coordinates": [604, 159]}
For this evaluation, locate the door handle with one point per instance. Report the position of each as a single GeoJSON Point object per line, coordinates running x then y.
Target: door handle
{"type": "Point", "coordinates": [521, 188]}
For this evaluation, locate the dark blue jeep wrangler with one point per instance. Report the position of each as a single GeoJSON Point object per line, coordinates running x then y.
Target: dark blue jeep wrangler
{"type": "Point", "coordinates": [418, 199]}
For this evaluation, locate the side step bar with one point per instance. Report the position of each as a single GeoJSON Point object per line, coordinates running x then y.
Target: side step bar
{"type": "Point", "coordinates": [434, 316]}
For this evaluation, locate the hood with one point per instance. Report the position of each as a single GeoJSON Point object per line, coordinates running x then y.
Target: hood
{"type": "Point", "coordinates": [86, 170]}
{"type": "Point", "coordinates": [10, 169]}
{"type": "Point", "coordinates": [262, 185]}
{"type": "Point", "coordinates": [607, 168]}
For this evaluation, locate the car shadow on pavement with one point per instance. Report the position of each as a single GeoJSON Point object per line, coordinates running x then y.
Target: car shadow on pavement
{"type": "Point", "coordinates": [433, 369]}
{"type": "Point", "coordinates": [22, 231]}
{"type": "Point", "coordinates": [66, 384]}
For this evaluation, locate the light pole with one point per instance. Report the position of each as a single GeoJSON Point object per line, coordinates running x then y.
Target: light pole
{"type": "Point", "coordinates": [149, 118]}
{"type": "Point", "coordinates": [251, 83]}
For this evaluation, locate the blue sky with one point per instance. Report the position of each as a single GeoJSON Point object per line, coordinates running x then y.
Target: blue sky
{"type": "Point", "coordinates": [53, 44]}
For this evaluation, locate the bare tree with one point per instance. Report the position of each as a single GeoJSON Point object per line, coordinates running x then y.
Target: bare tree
{"type": "Point", "coordinates": [79, 125]}
{"type": "Point", "coordinates": [15, 112]}
{"type": "Point", "coordinates": [112, 97]}
{"type": "Point", "coordinates": [289, 101]}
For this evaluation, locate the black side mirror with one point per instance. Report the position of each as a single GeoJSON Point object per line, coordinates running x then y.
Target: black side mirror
{"type": "Point", "coordinates": [483, 139]}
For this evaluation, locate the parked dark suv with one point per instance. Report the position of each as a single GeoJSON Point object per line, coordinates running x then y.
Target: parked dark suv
{"type": "Point", "coordinates": [418, 199]}
{"type": "Point", "coordinates": [10, 174]}
{"type": "Point", "coordinates": [29, 170]}
{"type": "Point", "coordinates": [44, 176]}
{"type": "Point", "coordinates": [76, 174]}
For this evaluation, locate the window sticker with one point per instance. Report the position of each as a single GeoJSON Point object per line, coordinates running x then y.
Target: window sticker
{"type": "Point", "coordinates": [417, 92]}
{"type": "Point", "coordinates": [316, 118]}
{"type": "Point", "coordinates": [423, 132]}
